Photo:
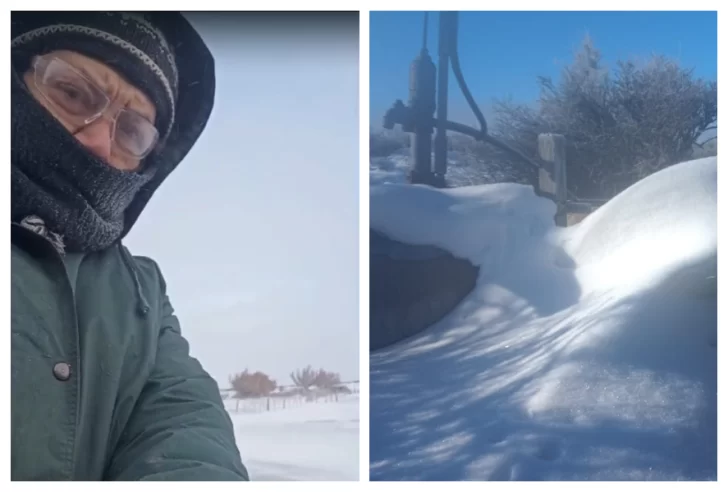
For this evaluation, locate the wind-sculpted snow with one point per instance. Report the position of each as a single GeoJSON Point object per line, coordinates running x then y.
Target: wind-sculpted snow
{"type": "Point", "coordinates": [585, 353]}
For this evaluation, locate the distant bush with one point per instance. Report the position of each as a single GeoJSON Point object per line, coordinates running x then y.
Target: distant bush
{"type": "Point", "coordinates": [304, 378]}
{"type": "Point", "coordinates": [327, 380]}
{"type": "Point", "coordinates": [252, 385]}
{"type": "Point", "coordinates": [307, 377]}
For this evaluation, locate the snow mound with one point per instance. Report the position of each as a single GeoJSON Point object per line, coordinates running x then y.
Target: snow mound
{"type": "Point", "coordinates": [661, 223]}
{"type": "Point", "coordinates": [585, 353]}
{"type": "Point", "coordinates": [479, 223]}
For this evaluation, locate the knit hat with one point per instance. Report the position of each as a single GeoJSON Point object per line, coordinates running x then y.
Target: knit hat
{"type": "Point", "coordinates": [126, 42]}
{"type": "Point", "coordinates": [159, 52]}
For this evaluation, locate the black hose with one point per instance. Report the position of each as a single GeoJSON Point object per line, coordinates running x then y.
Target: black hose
{"type": "Point", "coordinates": [424, 34]}
{"type": "Point", "coordinates": [484, 137]}
{"type": "Point", "coordinates": [481, 135]}
{"type": "Point", "coordinates": [455, 60]}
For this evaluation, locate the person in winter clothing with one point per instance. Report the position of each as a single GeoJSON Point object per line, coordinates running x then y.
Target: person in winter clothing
{"type": "Point", "coordinates": [104, 107]}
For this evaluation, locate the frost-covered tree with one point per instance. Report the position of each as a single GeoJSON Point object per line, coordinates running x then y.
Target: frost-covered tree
{"type": "Point", "coordinates": [383, 143]}
{"type": "Point", "coordinates": [620, 126]}
{"type": "Point", "coordinates": [327, 380]}
{"type": "Point", "coordinates": [304, 378]}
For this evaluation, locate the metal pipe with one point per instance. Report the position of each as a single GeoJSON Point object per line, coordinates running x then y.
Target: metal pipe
{"type": "Point", "coordinates": [443, 72]}
{"type": "Point", "coordinates": [422, 106]}
{"type": "Point", "coordinates": [428, 93]}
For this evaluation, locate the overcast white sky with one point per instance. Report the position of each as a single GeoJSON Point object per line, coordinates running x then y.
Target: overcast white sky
{"type": "Point", "coordinates": [257, 231]}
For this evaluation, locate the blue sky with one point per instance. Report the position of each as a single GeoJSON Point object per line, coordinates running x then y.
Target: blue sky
{"type": "Point", "coordinates": [257, 230]}
{"type": "Point", "coordinates": [502, 53]}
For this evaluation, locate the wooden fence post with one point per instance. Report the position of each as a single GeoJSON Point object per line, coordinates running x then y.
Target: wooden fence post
{"type": "Point", "coordinates": [552, 176]}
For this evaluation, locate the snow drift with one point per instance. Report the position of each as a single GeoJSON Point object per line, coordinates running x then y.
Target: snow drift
{"type": "Point", "coordinates": [583, 353]}
{"type": "Point", "coordinates": [307, 442]}
{"type": "Point", "coordinates": [659, 224]}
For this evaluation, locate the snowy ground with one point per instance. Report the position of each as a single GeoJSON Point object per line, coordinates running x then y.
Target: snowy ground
{"type": "Point", "coordinates": [308, 441]}
{"type": "Point", "coordinates": [462, 169]}
{"type": "Point", "coordinates": [586, 353]}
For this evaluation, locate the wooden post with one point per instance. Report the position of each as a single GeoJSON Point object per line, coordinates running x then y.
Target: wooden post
{"type": "Point", "coordinates": [552, 177]}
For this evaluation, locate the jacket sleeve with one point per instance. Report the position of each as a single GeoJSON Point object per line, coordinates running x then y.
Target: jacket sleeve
{"type": "Point", "coordinates": [179, 429]}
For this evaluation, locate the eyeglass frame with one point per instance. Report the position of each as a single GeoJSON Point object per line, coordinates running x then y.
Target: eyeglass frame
{"type": "Point", "coordinates": [109, 107]}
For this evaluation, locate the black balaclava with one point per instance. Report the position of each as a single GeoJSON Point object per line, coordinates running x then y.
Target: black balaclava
{"type": "Point", "coordinates": [79, 198]}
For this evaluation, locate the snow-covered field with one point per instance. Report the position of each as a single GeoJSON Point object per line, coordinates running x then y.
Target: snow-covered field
{"type": "Point", "coordinates": [586, 353]}
{"type": "Point", "coordinates": [306, 441]}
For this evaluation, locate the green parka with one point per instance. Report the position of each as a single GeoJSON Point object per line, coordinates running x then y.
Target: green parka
{"type": "Point", "coordinates": [103, 386]}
